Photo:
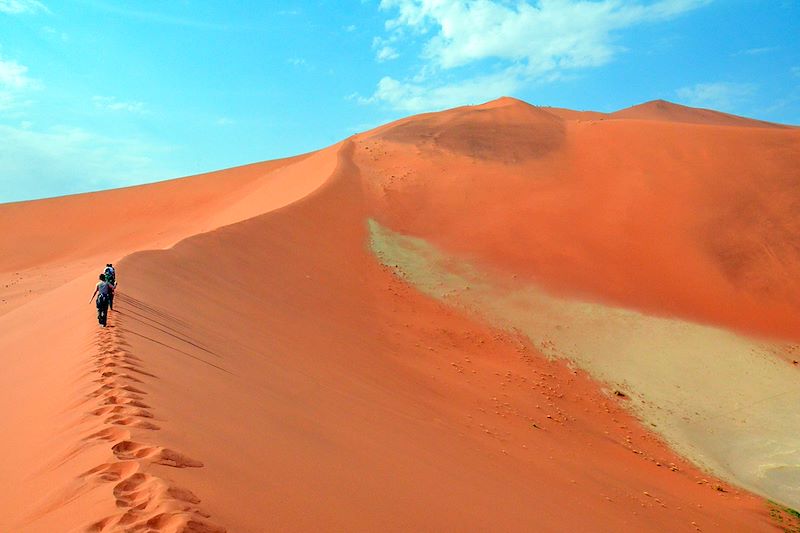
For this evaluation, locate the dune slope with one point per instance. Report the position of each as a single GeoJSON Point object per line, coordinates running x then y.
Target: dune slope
{"type": "Point", "coordinates": [668, 217]}
{"type": "Point", "coordinates": [319, 392]}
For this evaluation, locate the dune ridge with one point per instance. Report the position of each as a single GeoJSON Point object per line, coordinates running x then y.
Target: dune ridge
{"type": "Point", "coordinates": [67, 487]}
{"type": "Point", "coordinates": [265, 370]}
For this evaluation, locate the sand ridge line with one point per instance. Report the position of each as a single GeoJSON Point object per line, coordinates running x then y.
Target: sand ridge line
{"type": "Point", "coordinates": [146, 502]}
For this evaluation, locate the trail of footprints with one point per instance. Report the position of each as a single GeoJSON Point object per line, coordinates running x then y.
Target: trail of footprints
{"type": "Point", "coordinates": [147, 503]}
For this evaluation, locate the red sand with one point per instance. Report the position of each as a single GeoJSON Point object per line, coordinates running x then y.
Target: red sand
{"type": "Point", "coordinates": [269, 374]}
{"type": "Point", "coordinates": [673, 218]}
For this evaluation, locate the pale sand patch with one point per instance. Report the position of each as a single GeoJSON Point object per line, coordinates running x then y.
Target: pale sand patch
{"type": "Point", "coordinates": [722, 400]}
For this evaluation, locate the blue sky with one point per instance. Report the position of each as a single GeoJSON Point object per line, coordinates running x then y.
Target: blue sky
{"type": "Point", "coordinates": [96, 94]}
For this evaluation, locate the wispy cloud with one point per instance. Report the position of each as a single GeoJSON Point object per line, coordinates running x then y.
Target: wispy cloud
{"type": "Point", "coordinates": [528, 41]}
{"type": "Point", "coordinates": [17, 7]}
{"type": "Point", "coordinates": [795, 71]}
{"type": "Point", "coordinates": [53, 33]}
{"type": "Point", "coordinates": [64, 160]}
{"type": "Point", "coordinates": [757, 51]}
{"type": "Point", "coordinates": [722, 96]}
{"type": "Point", "coordinates": [14, 76]}
{"type": "Point", "coordinates": [111, 103]}
{"type": "Point", "coordinates": [387, 53]}
{"type": "Point", "coordinates": [15, 85]}
{"type": "Point", "coordinates": [384, 49]}
{"type": "Point", "coordinates": [416, 98]}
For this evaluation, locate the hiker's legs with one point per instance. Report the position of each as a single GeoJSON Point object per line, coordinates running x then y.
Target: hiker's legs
{"type": "Point", "coordinates": [111, 301]}
{"type": "Point", "coordinates": [102, 312]}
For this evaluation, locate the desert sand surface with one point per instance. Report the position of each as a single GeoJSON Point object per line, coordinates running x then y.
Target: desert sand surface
{"type": "Point", "coordinates": [490, 318]}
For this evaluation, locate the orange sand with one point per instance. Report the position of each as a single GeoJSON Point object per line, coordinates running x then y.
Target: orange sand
{"type": "Point", "coordinates": [267, 373]}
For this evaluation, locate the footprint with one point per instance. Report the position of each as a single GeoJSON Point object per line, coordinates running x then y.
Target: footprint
{"type": "Point", "coordinates": [129, 450]}
{"type": "Point", "coordinates": [143, 488]}
{"type": "Point", "coordinates": [120, 420]}
{"type": "Point", "coordinates": [128, 402]}
{"type": "Point", "coordinates": [183, 522]}
{"type": "Point", "coordinates": [133, 389]}
{"type": "Point", "coordinates": [101, 525]}
{"type": "Point", "coordinates": [111, 376]}
{"type": "Point", "coordinates": [175, 459]}
{"type": "Point", "coordinates": [108, 409]}
{"type": "Point", "coordinates": [110, 435]}
{"type": "Point", "coordinates": [134, 491]}
{"type": "Point", "coordinates": [109, 472]}
{"type": "Point", "coordinates": [184, 495]}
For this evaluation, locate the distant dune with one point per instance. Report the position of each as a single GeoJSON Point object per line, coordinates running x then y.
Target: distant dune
{"type": "Point", "coordinates": [499, 317]}
{"type": "Point", "coordinates": [667, 111]}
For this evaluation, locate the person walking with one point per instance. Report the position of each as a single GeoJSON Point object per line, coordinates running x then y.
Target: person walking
{"type": "Point", "coordinates": [101, 290]}
{"type": "Point", "coordinates": [111, 279]}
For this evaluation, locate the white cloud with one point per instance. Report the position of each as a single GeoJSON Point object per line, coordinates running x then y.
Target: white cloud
{"type": "Point", "coordinates": [385, 49]}
{"type": "Point", "coordinates": [6, 100]}
{"type": "Point", "coordinates": [52, 33]}
{"type": "Point", "coordinates": [14, 85]}
{"type": "Point", "coordinates": [225, 121]}
{"type": "Point", "coordinates": [387, 53]}
{"type": "Point", "coordinates": [350, 28]}
{"type": "Point", "coordinates": [795, 71]}
{"type": "Point", "coordinates": [416, 98]}
{"type": "Point", "coordinates": [14, 76]}
{"type": "Point", "coordinates": [16, 7]}
{"type": "Point", "coordinates": [717, 95]}
{"type": "Point", "coordinates": [529, 41]}
{"type": "Point", "coordinates": [554, 33]}
{"type": "Point", "coordinates": [64, 160]}
{"type": "Point", "coordinates": [757, 51]}
{"type": "Point", "coordinates": [112, 104]}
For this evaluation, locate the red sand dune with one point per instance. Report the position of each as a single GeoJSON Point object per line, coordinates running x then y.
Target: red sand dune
{"type": "Point", "coordinates": [266, 372]}
{"type": "Point", "coordinates": [667, 111]}
{"type": "Point", "coordinates": [661, 215]}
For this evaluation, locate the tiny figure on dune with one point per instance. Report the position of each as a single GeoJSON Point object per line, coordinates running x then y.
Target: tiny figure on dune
{"type": "Point", "coordinates": [111, 279]}
{"type": "Point", "coordinates": [102, 290]}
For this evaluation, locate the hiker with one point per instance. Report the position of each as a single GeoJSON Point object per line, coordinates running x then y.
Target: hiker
{"type": "Point", "coordinates": [111, 274]}
{"type": "Point", "coordinates": [101, 290]}
{"type": "Point", "coordinates": [111, 279]}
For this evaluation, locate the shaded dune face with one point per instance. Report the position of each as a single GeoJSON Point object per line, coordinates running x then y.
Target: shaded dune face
{"type": "Point", "coordinates": [495, 134]}
{"type": "Point", "coordinates": [669, 210]}
{"type": "Point", "coordinates": [755, 235]}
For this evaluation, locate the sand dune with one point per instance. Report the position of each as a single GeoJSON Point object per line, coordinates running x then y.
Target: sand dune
{"type": "Point", "coordinates": [265, 370]}
{"type": "Point", "coordinates": [723, 400]}
{"type": "Point", "coordinates": [57, 239]}
{"type": "Point", "coordinates": [666, 217]}
{"type": "Point", "coordinates": [667, 111]}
